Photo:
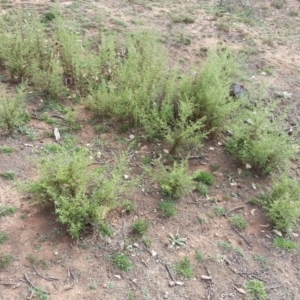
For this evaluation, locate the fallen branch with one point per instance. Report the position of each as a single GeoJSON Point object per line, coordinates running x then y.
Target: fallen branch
{"type": "Point", "coordinates": [233, 209]}
{"type": "Point", "coordinates": [8, 283]}
{"type": "Point", "coordinates": [240, 235]}
{"type": "Point", "coordinates": [28, 281]}
{"type": "Point", "coordinates": [49, 278]}
{"type": "Point", "coordinates": [170, 273]}
{"type": "Point", "coordinates": [190, 157]}
{"type": "Point", "coordinates": [209, 295]}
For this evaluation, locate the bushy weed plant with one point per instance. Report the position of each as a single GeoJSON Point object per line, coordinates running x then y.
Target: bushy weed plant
{"type": "Point", "coordinates": [81, 195]}
{"type": "Point", "coordinates": [259, 141]}
{"type": "Point", "coordinates": [283, 203]}
{"type": "Point", "coordinates": [175, 182]}
{"type": "Point", "coordinates": [12, 110]}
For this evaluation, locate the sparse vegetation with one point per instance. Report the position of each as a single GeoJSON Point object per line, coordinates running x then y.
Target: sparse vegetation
{"type": "Point", "coordinates": [6, 210]}
{"type": "Point", "coordinates": [122, 262]}
{"type": "Point", "coordinates": [140, 226]}
{"type": "Point", "coordinates": [3, 237]}
{"type": "Point", "coordinates": [167, 208]}
{"type": "Point", "coordinates": [6, 150]}
{"type": "Point", "coordinates": [284, 243]}
{"type": "Point", "coordinates": [109, 85]}
{"type": "Point", "coordinates": [256, 290]}
{"type": "Point", "coordinates": [184, 268]}
{"type": "Point", "coordinates": [238, 221]}
{"type": "Point", "coordinates": [5, 260]}
{"type": "Point", "coordinates": [9, 175]}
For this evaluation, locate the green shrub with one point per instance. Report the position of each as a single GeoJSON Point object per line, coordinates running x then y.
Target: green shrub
{"type": "Point", "coordinates": [202, 188]}
{"type": "Point", "coordinates": [210, 89]}
{"type": "Point", "coordinates": [81, 195]}
{"type": "Point", "coordinates": [200, 257]}
{"type": "Point", "coordinates": [105, 229]}
{"type": "Point", "coordinates": [6, 150]}
{"type": "Point", "coordinates": [238, 222]}
{"type": "Point", "coordinates": [6, 210]}
{"type": "Point", "coordinates": [140, 226]}
{"type": "Point", "coordinates": [256, 290]}
{"type": "Point", "coordinates": [283, 203]}
{"type": "Point", "coordinates": [5, 260]}
{"type": "Point", "coordinates": [167, 208]}
{"type": "Point", "coordinates": [284, 243]}
{"type": "Point", "coordinates": [175, 182]}
{"type": "Point", "coordinates": [3, 237]}
{"type": "Point", "coordinates": [204, 177]}
{"type": "Point", "coordinates": [184, 268]}
{"type": "Point", "coordinates": [12, 110]}
{"type": "Point", "coordinates": [122, 262]}
{"type": "Point", "coordinates": [258, 141]}
{"type": "Point", "coordinates": [9, 175]}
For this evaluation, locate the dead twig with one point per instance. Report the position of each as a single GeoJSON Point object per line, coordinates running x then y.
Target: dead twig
{"type": "Point", "coordinates": [8, 283]}
{"type": "Point", "coordinates": [209, 294]}
{"type": "Point", "coordinates": [28, 281]}
{"type": "Point", "coordinates": [49, 278]}
{"type": "Point", "coordinates": [233, 209]}
{"type": "Point", "coordinates": [170, 273]}
{"type": "Point", "coordinates": [190, 157]}
{"type": "Point", "coordinates": [240, 235]}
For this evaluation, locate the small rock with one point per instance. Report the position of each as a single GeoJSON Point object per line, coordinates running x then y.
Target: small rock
{"type": "Point", "coordinates": [216, 234]}
{"type": "Point", "coordinates": [294, 234]}
{"type": "Point", "coordinates": [134, 280]}
{"type": "Point", "coordinates": [118, 276]}
{"type": "Point", "coordinates": [171, 283]}
{"type": "Point", "coordinates": [126, 176]}
{"type": "Point", "coordinates": [55, 253]}
{"type": "Point", "coordinates": [211, 148]}
{"type": "Point", "coordinates": [277, 232]}
{"type": "Point", "coordinates": [233, 183]}
{"type": "Point", "coordinates": [153, 253]}
{"type": "Point", "coordinates": [254, 186]}
{"type": "Point", "coordinates": [166, 151]}
{"type": "Point", "coordinates": [98, 155]}
{"type": "Point", "coordinates": [131, 137]}
{"type": "Point", "coordinates": [166, 295]}
{"type": "Point", "coordinates": [179, 283]}
{"type": "Point", "coordinates": [135, 245]}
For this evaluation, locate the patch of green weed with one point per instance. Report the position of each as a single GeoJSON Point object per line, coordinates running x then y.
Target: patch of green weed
{"type": "Point", "coordinates": [184, 268]}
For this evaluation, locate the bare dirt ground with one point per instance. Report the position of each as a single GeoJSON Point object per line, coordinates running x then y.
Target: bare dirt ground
{"type": "Point", "coordinates": [82, 269]}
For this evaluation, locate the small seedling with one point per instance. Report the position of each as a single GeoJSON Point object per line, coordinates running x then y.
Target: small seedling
{"type": "Point", "coordinates": [101, 129]}
{"type": "Point", "coordinates": [106, 229]}
{"type": "Point", "coordinates": [9, 175]}
{"type": "Point", "coordinates": [128, 206]}
{"type": "Point", "coordinates": [227, 246]}
{"type": "Point", "coordinates": [284, 243]}
{"type": "Point", "coordinates": [220, 211]}
{"type": "Point", "coordinates": [3, 237]}
{"type": "Point", "coordinates": [140, 226]}
{"type": "Point", "coordinates": [147, 241]}
{"type": "Point", "coordinates": [5, 260]}
{"type": "Point", "coordinates": [262, 261]}
{"type": "Point", "coordinates": [202, 188]}
{"type": "Point", "coordinates": [6, 210]}
{"type": "Point", "coordinates": [6, 150]}
{"type": "Point", "coordinates": [204, 177]}
{"type": "Point", "coordinates": [256, 290]}
{"type": "Point", "coordinates": [238, 222]}
{"type": "Point", "coordinates": [167, 208]}
{"type": "Point", "coordinates": [122, 262]}
{"type": "Point", "coordinates": [184, 268]}
{"type": "Point", "coordinates": [199, 256]}
{"type": "Point", "coordinates": [40, 294]}
{"type": "Point", "coordinates": [176, 240]}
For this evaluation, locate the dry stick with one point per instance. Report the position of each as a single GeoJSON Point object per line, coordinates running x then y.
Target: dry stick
{"type": "Point", "coordinates": [239, 234]}
{"type": "Point", "coordinates": [49, 279]}
{"type": "Point", "coordinates": [190, 157]}
{"type": "Point", "coordinates": [170, 273]}
{"type": "Point", "coordinates": [8, 283]}
{"type": "Point", "coordinates": [210, 285]}
{"type": "Point", "coordinates": [28, 281]}
{"type": "Point", "coordinates": [233, 209]}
